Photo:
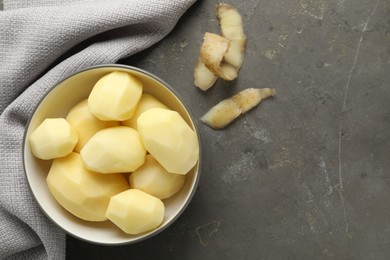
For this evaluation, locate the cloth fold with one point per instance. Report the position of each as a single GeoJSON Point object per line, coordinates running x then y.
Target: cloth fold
{"type": "Point", "coordinates": [37, 42]}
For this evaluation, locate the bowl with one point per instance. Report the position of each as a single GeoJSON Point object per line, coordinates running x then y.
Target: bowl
{"type": "Point", "coordinates": [56, 103]}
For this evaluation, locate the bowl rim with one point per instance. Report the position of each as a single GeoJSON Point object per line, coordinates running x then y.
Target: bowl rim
{"type": "Point", "coordinates": [191, 117]}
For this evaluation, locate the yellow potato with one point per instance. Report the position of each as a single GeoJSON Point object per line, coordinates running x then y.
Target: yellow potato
{"type": "Point", "coordinates": [115, 149]}
{"type": "Point", "coordinates": [83, 193]}
{"type": "Point", "coordinates": [147, 102]}
{"type": "Point", "coordinates": [115, 96]}
{"type": "Point", "coordinates": [111, 131]}
{"type": "Point", "coordinates": [135, 211]}
{"type": "Point", "coordinates": [53, 138]}
{"type": "Point", "coordinates": [153, 179]}
{"type": "Point", "coordinates": [85, 123]}
{"type": "Point", "coordinates": [169, 139]}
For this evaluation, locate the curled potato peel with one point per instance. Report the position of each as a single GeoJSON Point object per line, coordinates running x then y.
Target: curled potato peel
{"type": "Point", "coordinates": [232, 29]}
{"type": "Point", "coordinates": [222, 114]}
{"type": "Point", "coordinates": [203, 77]}
{"type": "Point", "coordinates": [215, 61]}
{"type": "Point", "coordinates": [212, 52]}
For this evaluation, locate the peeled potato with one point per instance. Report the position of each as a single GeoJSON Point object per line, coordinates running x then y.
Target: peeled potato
{"type": "Point", "coordinates": [147, 102]}
{"type": "Point", "coordinates": [53, 138]}
{"type": "Point", "coordinates": [115, 149]}
{"type": "Point", "coordinates": [115, 96]}
{"type": "Point", "coordinates": [85, 123]}
{"type": "Point", "coordinates": [83, 193]}
{"type": "Point", "coordinates": [169, 139]}
{"type": "Point", "coordinates": [153, 179]}
{"type": "Point", "coordinates": [135, 211]}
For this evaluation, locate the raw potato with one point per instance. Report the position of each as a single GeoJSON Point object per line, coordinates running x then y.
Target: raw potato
{"type": "Point", "coordinates": [135, 211]}
{"type": "Point", "coordinates": [91, 184]}
{"type": "Point", "coordinates": [85, 123]}
{"type": "Point", "coordinates": [113, 150]}
{"type": "Point", "coordinates": [169, 139]}
{"type": "Point", "coordinates": [153, 179]}
{"type": "Point", "coordinates": [229, 109]}
{"type": "Point", "coordinates": [53, 138]}
{"type": "Point", "coordinates": [115, 96]}
{"type": "Point", "coordinates": [147, 102]}
{"type": "Point", "coordinates": [232, 29]}
{"type": "Point", "coordinates": [83, 193]}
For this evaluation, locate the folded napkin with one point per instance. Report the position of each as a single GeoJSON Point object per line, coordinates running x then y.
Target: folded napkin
{"type": "Point", "coordinates": [42, 41]}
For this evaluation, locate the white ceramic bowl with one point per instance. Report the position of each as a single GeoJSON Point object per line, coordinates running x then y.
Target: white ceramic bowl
{"type": "Point", "coordinates": [57, 103]}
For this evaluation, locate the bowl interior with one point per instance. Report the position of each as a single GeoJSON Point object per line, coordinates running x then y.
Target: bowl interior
{"type": "Point", "coordinates": [57, 103]}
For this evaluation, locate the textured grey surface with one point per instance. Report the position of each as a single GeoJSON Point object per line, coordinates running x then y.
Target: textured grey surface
{"type": "Point", "coordinates": [303, 176]}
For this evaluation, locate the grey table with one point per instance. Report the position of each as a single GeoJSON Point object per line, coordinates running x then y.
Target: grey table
{"type": "Point", "coordinates": [305, 175]}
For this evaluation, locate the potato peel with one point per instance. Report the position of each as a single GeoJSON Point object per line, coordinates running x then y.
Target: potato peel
{"type": "Point", "coordinates": [213, 58]}
{"type": "Point", "coordinates": [230, 21]}
{"type": "Point", "coordinates": [232, 29]}
{"type": "Point", "coordinates": [212, 52]}
{"type": "Point", "coordinates": [235, 54]}
{"type": "Point", "coordinates": [203, 77]}
{"type": "Point", "coordinates": [222, 114]}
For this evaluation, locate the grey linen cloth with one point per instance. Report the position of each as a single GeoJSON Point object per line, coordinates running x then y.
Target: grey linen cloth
{"type": "Point", "coordinates": [37, 49]}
